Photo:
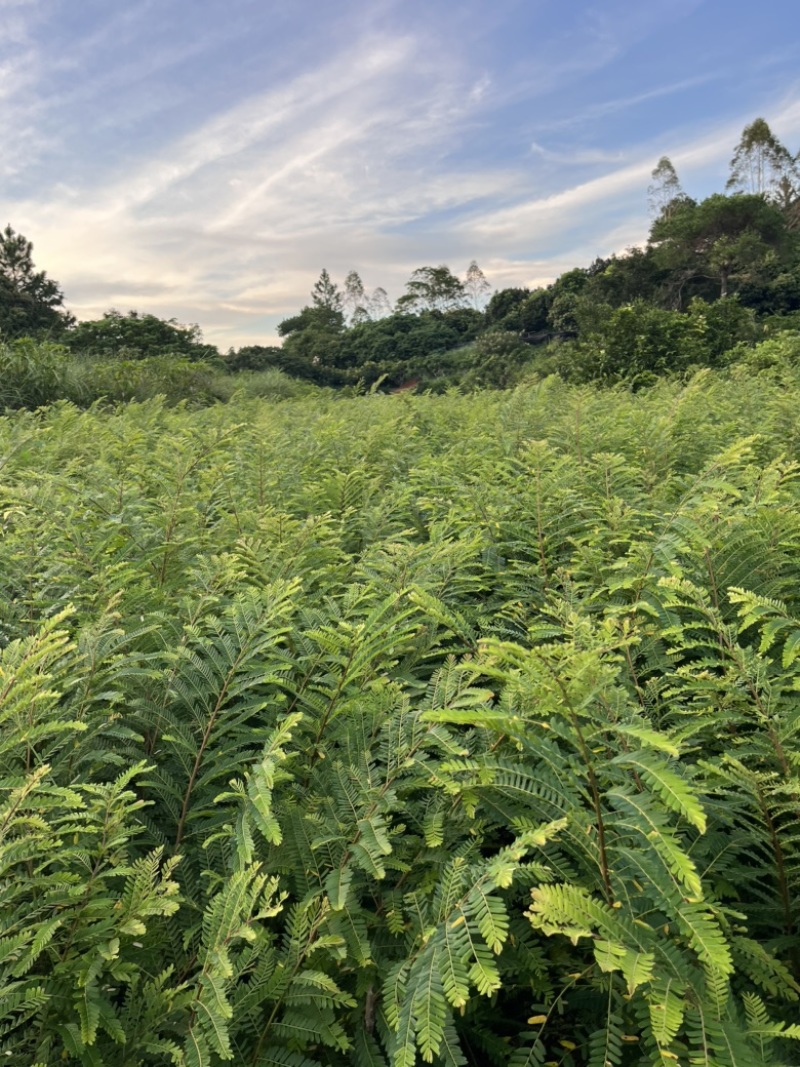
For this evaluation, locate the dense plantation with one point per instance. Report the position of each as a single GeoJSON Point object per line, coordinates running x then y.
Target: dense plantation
{"type": "Point", "coordinates": [403, 730]}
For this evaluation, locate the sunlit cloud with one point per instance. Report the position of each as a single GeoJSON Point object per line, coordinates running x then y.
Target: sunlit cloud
{"type": "Point", "coordinates": [390, 143]}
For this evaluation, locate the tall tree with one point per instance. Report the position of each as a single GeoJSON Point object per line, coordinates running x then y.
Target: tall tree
{"type": "Point", "coordinates": [325, 312]}
{"type": "Point", "coordinates": [30, 302]}
{"type": "Point", "coordinates": [433, 289]}
{"type": "Point", "coordinates": [760, 162]}
{"type": "Point", "coordinates": [665, 189]}
{"type": "Point", "coordinates": [378, 304]}
{"type": "Point", "coordinates": [476, 285]}
{"type": "Point", "coordinates": [326, 294]}
{"type": "Point", "coordinates": [355, 300]}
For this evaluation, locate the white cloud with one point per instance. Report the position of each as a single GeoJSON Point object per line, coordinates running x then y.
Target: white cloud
{"type": "Point", "coordinates": [575, 157]}
{"type": "Point", "coordinates": [541, 218]}
{"type": "Point", "coordinates": [592, 112]}
{"type": "Point", "coordinates": [352, 164]}
{"type": "Point", "coordinates": [220, 223]}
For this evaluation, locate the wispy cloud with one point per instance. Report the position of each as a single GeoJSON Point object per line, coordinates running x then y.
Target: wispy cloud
{"type": "Point", "coordinates": [397, 142]}
{"type": "Point", "coordinates": [575, 157]}
{"type": "Point", "coordinates": [593, 112]}
{"type": "Point", "coordinates": [220, 216]}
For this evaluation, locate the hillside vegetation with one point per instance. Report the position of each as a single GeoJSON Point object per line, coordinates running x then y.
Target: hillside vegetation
{"type": "Point", "coordinates": [398, 730]}
{"type": "Point", "coordinates": [715, 277]}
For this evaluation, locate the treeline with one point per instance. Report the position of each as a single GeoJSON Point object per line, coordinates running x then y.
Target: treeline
{"type": "Point", "coordinates": [716, 277]}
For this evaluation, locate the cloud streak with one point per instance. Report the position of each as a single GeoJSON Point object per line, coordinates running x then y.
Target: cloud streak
{"type": "Point", "coordinates": [393, 149]}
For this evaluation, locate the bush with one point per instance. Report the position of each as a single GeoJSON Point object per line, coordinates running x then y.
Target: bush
{"type": "Point", "coordinates": [499, 357]}
{"type": "Point", "coordinates": [723, 324]}
{"type": "Point", "coordinates": [253, 357]}
{"type": "Point", "coordinates": [137, 336]}
{"type": "Point", "coordinates": [777, 353]}
{"type": "Point", "coordinates": [140, 379]}
{"type": "Point", "coordinates": [636, 343]}
{"type": "Point", "coordinates": [270, 383]}
{"type": "Point", "coordinates": [447, 730]}
{"type": "Point", "coordinates": [32, 373]}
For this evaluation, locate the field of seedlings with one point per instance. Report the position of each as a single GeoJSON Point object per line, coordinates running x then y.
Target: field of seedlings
{"type": "Point", "coordinates": [397, 730]}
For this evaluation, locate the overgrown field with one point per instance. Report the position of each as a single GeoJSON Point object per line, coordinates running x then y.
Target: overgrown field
{"type": "Point", "coordinates": [393, 730]}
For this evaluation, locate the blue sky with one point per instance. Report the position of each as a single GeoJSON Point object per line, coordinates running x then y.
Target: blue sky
{"type": "Point", "coordinates": [204, 159]}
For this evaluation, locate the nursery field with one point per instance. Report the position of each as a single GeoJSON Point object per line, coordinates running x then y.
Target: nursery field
{"type": "Point", "coordinates": [397, 730]}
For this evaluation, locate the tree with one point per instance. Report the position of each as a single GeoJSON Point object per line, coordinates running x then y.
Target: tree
{"type": "Point", "coordinates": [378, 305]}
{"type": "Point", "coordinates": [355, 300]}
{"type": "Point", "coordinates": [632, 275]}
{"type": "Point", "coordinates": [314, 337]}
{"type": "Point", "coordinates": [498, 358]}
{"type": "Point", "coordinates": [253, 357]}
{"type": "Point", "coordinates": [433, 289]}
{"type": "Point", "coordinates": [326, 294]}
{"type": "Point", "coordinates": [476, 285]}
{"type": "Point", "coordinates": [503, 307]}
{"type": "Point", "coordinates": [761, 164]}
{"type": "Point", "coordinates": [665, 189]}
{"type": "Point", "coordinates": [723, 325]}
{"type": "Point", "coordinates": [138, 336]}
{"type": "Point", "coordinates": [534, 311]}
{"type": "Point", "coordinates": [639, 341]}
{"type": "Point", "coordinates": [723, 238]}
{"type": "Point", "coordinates": [325, 313]}
{"type": "Point", "coordinates": [31, 304]}
{"type": "Point", "coordinates": [563, 314]}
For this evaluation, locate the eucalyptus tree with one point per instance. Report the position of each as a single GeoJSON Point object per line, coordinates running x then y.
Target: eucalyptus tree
{"type": "Point", "coordinates": [665, 189]}
{"type": "Point", "coordinates": [476, 285]}
{"type": "Point", "coordinates": [379, 305]}
{"type": "Point", "coordinates": [762, 165]}
{"type": "Point", "coordinates": [355, 299]}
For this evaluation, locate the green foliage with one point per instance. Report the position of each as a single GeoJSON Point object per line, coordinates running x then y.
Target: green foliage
{"type": "Point", "coordinates": [762, 165]}
{"type": "Point", "coordinates": [32, 373]}
{"type": "Point", "coordinates": [400, 730]}
{"type": "Point", "coordinates": [638, 342]}
{"type": "Point", "coordinates": [623, 279]}
{"type": "Point", "coordinates": [499, 357]}
{"type": "Point", "coordinates": [268, 382]}
{"type": "Point", "coordinates": [135, 336]}
{"type": "Point", "coordinates": [31, 304]}
{"type": "Point", "coordinates": [437, 289]}
{"type": "Point", "coordinates": [175, 379]}
{"type": "Point", "coordinates": [504, 307]}
{"type": "Point", "coordinates": [777, 354]}
{"type": "Point", "coordinates": [37, 373]}
{"type": "Point", "coordinates": [729, 238]}
{"type": "Point", "coordinates": [253, 357]}
{"type": "Point", "coordinates": [394, 349]}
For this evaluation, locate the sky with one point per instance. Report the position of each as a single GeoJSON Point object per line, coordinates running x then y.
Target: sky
{"type": "Point", "coordinates": [203, 160]}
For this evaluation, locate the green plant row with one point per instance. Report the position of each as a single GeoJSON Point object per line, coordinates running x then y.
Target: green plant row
{"type": "Point", "coordinates": [397, 730]}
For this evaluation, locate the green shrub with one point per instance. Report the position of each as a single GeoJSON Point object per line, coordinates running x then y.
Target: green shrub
{"type": "Point", "coordinates": [32, 373]}
{"type": "Point", "coordinates": [779, 352]}
{"type": "Point", "coordinates": [120, 380]}
{"type": "Point", "coordinates": [271, 383]}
